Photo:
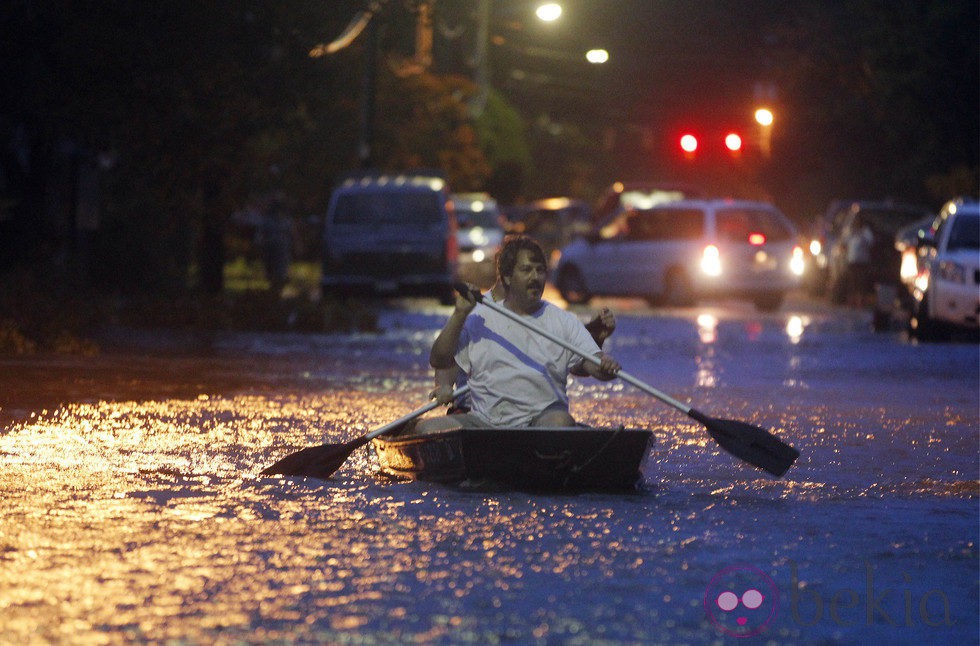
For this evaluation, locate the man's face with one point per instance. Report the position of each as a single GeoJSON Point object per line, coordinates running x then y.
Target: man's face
{"type": "Point", "coordinates": [526, 285]}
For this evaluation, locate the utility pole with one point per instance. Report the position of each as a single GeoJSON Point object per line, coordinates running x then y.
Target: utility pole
{"type": "Point", "coordinates": [423, 34]}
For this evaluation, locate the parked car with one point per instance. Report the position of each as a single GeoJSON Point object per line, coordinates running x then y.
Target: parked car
{"type": "Point", "coordinates": [683, 250]}
{"type": "Point", "coordinates": [553, 222]}
{"type": "Point", "coordinates": [825, 230]}
{"type": "Point", "coordinates": [390, 235]}
{"type": "Point", "coordinates": [479, 234]}
{"type": "Point", "coordinates": [946, 290]}
{"type": "Point", "coordinates": [862, 253]}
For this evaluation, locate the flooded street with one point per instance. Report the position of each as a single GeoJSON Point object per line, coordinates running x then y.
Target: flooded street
{"type": "Point", "coordinates": [133, 510]}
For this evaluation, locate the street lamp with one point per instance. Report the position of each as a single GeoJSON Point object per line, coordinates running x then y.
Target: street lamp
{"type": "Point", "coordinates": [597, 56]}
{"type": "Point", "coordinates": [549, 12]}
{"type": "Point", "coordinates": [764, 117]}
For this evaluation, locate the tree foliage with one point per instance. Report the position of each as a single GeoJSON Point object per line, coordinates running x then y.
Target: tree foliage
{"type": "Point", "coordinates": [881, 98]}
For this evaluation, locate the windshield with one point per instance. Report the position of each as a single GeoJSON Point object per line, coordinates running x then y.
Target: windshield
{"type": "Point", "coordinates": [487, 218]}
{"type": "Point", "coordinates": [965, 233]}
{"type": "Point", "coordinates": [421, 207]}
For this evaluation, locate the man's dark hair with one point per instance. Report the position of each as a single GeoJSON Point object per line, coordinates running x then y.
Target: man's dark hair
{"type": "Point", "coordinates": [507, 258]}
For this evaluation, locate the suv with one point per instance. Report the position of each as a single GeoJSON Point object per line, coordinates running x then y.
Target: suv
{"type": "Point", "coordinates": [682, 250]}
{"type": "Point", "coordinates": [947, 287]}
{"type": "Point", "coordinates": [391, 235]}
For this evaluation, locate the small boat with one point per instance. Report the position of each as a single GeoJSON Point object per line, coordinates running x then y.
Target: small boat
{"type": "Point", "coordinates": [563, 459]}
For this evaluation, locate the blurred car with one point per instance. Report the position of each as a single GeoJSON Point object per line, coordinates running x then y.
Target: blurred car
{"type": "Point", "coordinates": [826, 228]}
{"type": "Point", "coordinates": [862, 253]}
{"type": "Point", "coordinates": [682, 250]}
{"type": "Point", "coordinates": [390, 235]}
{"type": "Point", "coordinates": [479, 234]}
{"type": "Point", "coordinates": [907, 244]}
{"type": "Point", "coordinates": [553, 222]}
{"type": "Point", "coordinates": [947, 286]}
{"type": "Point", "coordinates": [638, 195]}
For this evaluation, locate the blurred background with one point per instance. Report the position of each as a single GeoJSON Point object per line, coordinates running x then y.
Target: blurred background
{"type": "Point", "coordinates": [188, 147]}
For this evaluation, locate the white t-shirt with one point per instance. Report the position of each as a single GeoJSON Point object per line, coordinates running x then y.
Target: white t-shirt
{"type": "Point", "coordinates": [515, 373]}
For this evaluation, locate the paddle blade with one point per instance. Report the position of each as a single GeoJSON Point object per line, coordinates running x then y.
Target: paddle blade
{"type": "Point", "coordinates": [315, 461]}
{"type": "Point", "coordinates": [753, 444]}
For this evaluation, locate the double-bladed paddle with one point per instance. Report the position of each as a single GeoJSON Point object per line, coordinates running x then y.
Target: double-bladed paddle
{"type": "Point", "coordinates": [752, 444]}
{"type": "Point", "coordinates": [322, 461]}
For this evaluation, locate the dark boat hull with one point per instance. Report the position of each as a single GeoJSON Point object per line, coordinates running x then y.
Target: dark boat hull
{"type": "Point", "coordinates": [534, 459]}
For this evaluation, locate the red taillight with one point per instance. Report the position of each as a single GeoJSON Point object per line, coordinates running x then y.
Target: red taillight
{"type": "Point", "coordinates": [757, 239]}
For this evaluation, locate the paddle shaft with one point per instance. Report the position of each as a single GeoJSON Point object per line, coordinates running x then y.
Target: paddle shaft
{"type": "Point", "coordinates": [628, 378]}
{"type": "Point", "coordinates": [432, 405]}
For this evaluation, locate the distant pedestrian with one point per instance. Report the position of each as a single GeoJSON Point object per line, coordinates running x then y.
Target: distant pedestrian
{"type": "Point", "coordinates": [277, 239]}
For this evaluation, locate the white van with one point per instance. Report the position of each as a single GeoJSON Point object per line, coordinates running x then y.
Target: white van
{"type": "Point", "coordinates": [390, 235]}
{"type": "Point", "coordinates": [683, 250]}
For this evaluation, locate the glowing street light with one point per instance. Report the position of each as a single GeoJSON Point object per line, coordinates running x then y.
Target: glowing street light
{"type": "Point", "coordinates": [597, 56]}
{"type": "Point", "coordinates": [549, 12]}
{"type": "Point", "coordinates": [763, 116]}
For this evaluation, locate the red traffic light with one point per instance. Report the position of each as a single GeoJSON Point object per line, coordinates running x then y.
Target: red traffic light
{"type": "Point", "coordinates": [733, 142]}
{"type": "Point", "coordinates": [689, 143]}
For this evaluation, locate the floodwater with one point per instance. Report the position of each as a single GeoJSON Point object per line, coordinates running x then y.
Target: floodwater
{"type": "Point", "coordinates": [133, 510]}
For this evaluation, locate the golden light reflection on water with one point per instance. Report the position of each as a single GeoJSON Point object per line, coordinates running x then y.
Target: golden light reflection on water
{"type": "Point", "coordinates": [147, 522]}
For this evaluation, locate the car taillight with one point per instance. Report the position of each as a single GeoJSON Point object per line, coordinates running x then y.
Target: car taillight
{"type": "Point", "coordinates": [711, 261]}
{"type": "Point", "coordinates": [757, 239]}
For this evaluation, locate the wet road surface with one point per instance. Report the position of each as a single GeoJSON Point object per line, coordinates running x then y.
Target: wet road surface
{"type": "Point", "coordinates": [133, 510]}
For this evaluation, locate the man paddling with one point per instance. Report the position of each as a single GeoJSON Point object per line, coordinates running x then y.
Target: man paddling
{"type": "Point", "coordinates": [517, 377]}
{"type": "Point", "coordinates": [600, 327]}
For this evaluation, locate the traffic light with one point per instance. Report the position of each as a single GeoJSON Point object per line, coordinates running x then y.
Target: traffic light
{"type": "Point", "coordinates": [721, 143]}
{"type": "Point", "coordinates": [689, 143]}
{"type": "Point", "coordinates": [733, 142]}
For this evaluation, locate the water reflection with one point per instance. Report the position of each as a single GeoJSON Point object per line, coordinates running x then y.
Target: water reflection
{"type": "Point", "coordinates": [707, 328]}
{"type": "Point", "coordinates": [137, 522]}
{"type": "Point", "coordinates": [706, 359]}
{"type": "Point", "coordinates": [795, 326]}
{"type": "Point", "coordinates": [707, 373]}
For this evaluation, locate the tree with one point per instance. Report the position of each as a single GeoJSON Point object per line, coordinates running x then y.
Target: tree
{"type": "Point", "coordinates": [880, 100]}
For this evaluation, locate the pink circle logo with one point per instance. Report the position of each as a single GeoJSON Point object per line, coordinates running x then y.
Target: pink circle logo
{"type": "Point", "coordinates": [741, 600]}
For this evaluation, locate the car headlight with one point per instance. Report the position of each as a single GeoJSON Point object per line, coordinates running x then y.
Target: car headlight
{"type": "Point", "coordinates": [711, 261]}
{"type": "Point", "coordinates": [952, 272]}
{"type": "Point", "coordinates": [797, 263]}
{"type": "Point", "coordinates": [909, 268]}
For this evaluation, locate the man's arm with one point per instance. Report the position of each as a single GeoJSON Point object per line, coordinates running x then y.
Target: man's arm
{"type": "Point", "coordinates": [601, 326]}
{"type": "Point", "coordinates": [442, 356]}
{"type": "Point", "coordinates": [445, 385]}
